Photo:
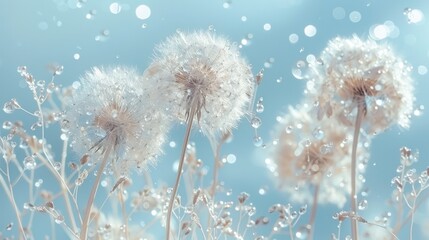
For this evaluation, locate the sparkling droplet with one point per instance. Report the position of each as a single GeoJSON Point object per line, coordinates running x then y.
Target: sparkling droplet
{"type": "Point", "coordinates": [256, 122]}
{"type": "Point", "coordinates": [172, 144]}
{"type": "Point", "coordinates": [302, 232]}
{"type": "Point", "coordinates": [362, 204]}
{"type": "Point", "coordinates": [262, 191]}
{"type": "Point", "coordinates": [289, 129]}
{"type": "Point", "coordinates": [29, 163]}
{"type": "Point", "coordinates": [38, 183]}
{"type": "Point", "coordinates": [143, 12]}
{"type": "Point", "coordinates": [59, 219]}
{"type": "Point", "coordinates": [257, 141]}
{"type": "Point", "coordinates": [326, 148]}
{"type": "Point", "coordinates": [260, 105]}
{"type": "Point", "coordinates": [57, 166]}
{"type": "Point", "coordinates": [267, 27]}
{"type": "Point", "coordinates": [7, 125]}
{"type": "Point", "coordinates": [11, 106]}
{"type": "Point", "coordinates": [115, 8]}
{"type": "Point", "coordinates": [231, 158]}
{"type": "Point", "coordinates": [23, 144]}
{"type": "Point", "coordinates": [59, 70]}
{"type": "Point", "coordinates": [400, 168]}
{"type": "Point", "coordinates": [103, 183]}
{"type": "Point", "coordinates": [310, 30]}
{"type": "Point", "coordinates": [297, 73]}
{"type": "Point", "coordinates": [9, 226]}
{"type": "Point", "coordinates": [302, 210]}
{"type": "Point", "coordinates": [318, 133]}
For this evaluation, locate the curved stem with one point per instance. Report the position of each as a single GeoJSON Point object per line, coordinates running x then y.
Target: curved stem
{"type": "Point", "coordinates": [359, 117]}
{"type": "Point", "coordinates": [63, 190]}
{"type": "Point", "coordinates": [9, 192]}
{"type": "Point", "coordinates": [179, 172]}
{"type": "Point", "coordinates": [85, 221]}
{"type": "Point", "coordinates": [313, 211]}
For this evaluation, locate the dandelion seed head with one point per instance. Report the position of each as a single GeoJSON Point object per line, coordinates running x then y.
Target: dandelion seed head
{"type": "Point", "coordinates": [204, 71]}
{"type": "Point", "coordinates": [109, 110]}
{"type": "Point", "coordinates": [312, 154]}
{"type": "Point", "coordinates": [356, 71]}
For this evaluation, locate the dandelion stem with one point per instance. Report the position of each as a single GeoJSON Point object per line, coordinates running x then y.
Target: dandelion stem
{"type": "Point", "coordinates": [359, 117]}
{"type": "Point", "coordinates": [412, 213]}
{"type": "Point", "coordinates": [9, 191]}
{"type": "Point", "coordinates": [85, 221]}
{"type": "Point", "coordinates": [63, 190]}
{"type": "Point", "coordinates": [179, 170]}
{"type": "Point", "coordinates": [313, 211]}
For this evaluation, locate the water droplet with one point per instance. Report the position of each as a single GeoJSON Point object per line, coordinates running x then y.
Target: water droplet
{"type": "Point", "coordinates": [297, 73]}
{"type": "Point", "coordinates": [172, 144]}
{"type": "Point", "coordinates": [23, 144]}
{"type": "Point", "coordinates": [355, 16]}
{"type": "Point", "coordinates": [267, 27]}
{"type": "Point", "coordinates": [59, 219]}
{"type": "Point", "coordinates": [257, 141]}
{"type": "Point", "coordinates": [318, 133]}
{"type": "Point", "coordinates": [57, 166]}
{"type": "Point", "coordinates": [115, 8]}
{"type": "Point", "coordinates": [76, 56]}
{"type": "Point", "coordinates": [7, 125]}
{"type": "Point", "coordinates": [38, 183]}
{"type": "Point", "coordinates": [143, 12]}
{"type": "Point", "coordinates": [9, 226]}
{"type": "Point", "coordinates": [256, 122]}
{"type": "Point", "coordinates": [114, 113]}
{"type": "Point", "coordinates": [379, 102]}
{"type": "Point", "coordinates": [310, 30]}
{"type": "Point", "coordinates": [59, 70]}
{"type": "Point", "coordinates": [326, 148]}
{"type": "Point", "coordinates": [260, 105]}
{"type": "Point", "coordinates": [11, 106]}
{"type": "Point", "coordinates": [302, 232]}
{"type": "Point", "coordinates": [262, 191]}
{"type": "Point", "coordinates": [302, 210]}
{"type": "Point", "coordinates": [231, 158]}
{"type": "Point", "coordinates": [289, 129]}
{"type": "Point", "coordinates": [413, 15]}
{"type": "Point", "coordinates": [76, 85]}
{"type": "Point", "coordinates": [293, 38]}
{"type": "Point", "coordinates": [400, 168]}
{"type": "Point", "coordinates": [29, 163]}
{"type": "Point", "coordinates": [103, 183]}
{"type": "Point", "coordinates": [338, 13]}
{"type": "Point", "coordinates": [362, 204]}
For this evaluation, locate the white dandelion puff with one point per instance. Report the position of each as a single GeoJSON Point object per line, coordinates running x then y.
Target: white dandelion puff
{"type": "Point", "coordinates": [203, 71]}
{"type": "Point", "coordinates": [109, 110]}
{"type": "Point", "coordinates": [357, 72]}
{"type": "Point", "coordinates": [110, 118]}
{"type": "Point", "coordinates": [313, 154]}
{"type": "Point", "coordinates": [367, 86]}
{"type": "Point", "coordinates": [199, 75]}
